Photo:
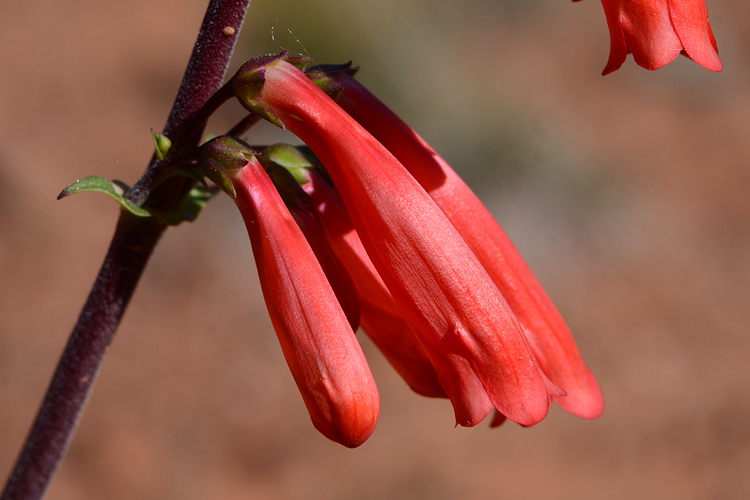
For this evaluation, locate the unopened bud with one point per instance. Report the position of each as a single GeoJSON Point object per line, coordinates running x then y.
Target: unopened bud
{"type": "Point", "coordinates": [161, 143]}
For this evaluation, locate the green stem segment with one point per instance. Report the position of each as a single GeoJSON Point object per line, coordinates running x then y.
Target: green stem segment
{"type": "Point", "coordinates": [132, 244]}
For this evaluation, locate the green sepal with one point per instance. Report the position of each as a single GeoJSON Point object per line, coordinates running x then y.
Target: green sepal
{"type": "Point", "coordinates": [222, 157]}
{"type": "Point", "coordinates": [329, 85]}
{"type": "Point", "coordinates": [219, 176]}
{"type": "Point", "coordinates": [299, 62]}
{"type": "Point", "coordinates": [191, 205]}
{"type": "Point", "coordinates": [114, 189]}
{"type": "Point", "coordinates": [324, 76]}
{"type": "Point", "coordinates": [247, 86]}
{"type": "Point", "coordinates": [289, 157]}
{"type": "Point", "coordinates": [162, 144]}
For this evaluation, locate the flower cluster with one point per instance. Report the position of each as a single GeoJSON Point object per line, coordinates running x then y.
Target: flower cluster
{"type": "Point", "coordinates": [388, 237]}
{"type": "Point", "coordinates": [657, 31]}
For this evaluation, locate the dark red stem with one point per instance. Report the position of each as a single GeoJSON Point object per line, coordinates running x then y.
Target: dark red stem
{"type": "Point", "coordinates": [243, 125]}
{"type": "Point", "coordinates": [133, 242]}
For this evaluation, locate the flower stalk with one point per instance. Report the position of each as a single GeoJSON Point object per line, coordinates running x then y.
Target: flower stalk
{"type": "Point", "coordinates": [134, 240]}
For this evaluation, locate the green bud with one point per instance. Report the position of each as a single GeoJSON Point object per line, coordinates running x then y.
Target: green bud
{"type": "Point", "coordinates": [162, 144]}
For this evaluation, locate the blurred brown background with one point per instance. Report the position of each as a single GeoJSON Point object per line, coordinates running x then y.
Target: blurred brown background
{"type": "Point", "coordinates": [629, 196]}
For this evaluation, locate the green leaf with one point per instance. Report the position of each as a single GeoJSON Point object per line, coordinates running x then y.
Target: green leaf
{"type": "Point", "coordinates": [191, 205]}
{"type": "Point", "coordinates": [114, 189]}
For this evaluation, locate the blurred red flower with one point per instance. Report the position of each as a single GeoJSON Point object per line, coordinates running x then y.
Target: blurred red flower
{"type": "Point", "coordinates": [657, 31]}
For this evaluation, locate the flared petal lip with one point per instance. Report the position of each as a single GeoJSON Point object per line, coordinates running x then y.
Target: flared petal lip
{"type": "Point", "coordinates": [656, 33]}
{"type": "Point", "coordinates": [690, 21]}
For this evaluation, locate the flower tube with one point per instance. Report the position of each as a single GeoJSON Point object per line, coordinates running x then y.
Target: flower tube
{"type": "Point", "coordinates": [320, 347]}
{"type": "Point", "coordinates": [302, 211]}
{"type": "Point", "coordinates": [461, 319]}
{"type": "Point", "coordinates": [549, 336]}
{"type": "Point", "coordinates": [380, 316]}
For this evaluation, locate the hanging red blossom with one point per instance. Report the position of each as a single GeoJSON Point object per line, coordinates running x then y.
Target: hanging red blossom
{"type": "Point", "coordinates": [464, 324]}
{"type": "Point", "coordinates": [548, 335]}
{"type": "Point", "coordinates": [657, 31]}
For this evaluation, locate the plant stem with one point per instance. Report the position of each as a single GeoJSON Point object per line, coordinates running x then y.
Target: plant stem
{"type": "Point", "coordinates": [243, 125]}
{"type": "Point", "coordinates": [131, 246]}
{"type": "Point", "coordinates": [203, 77]}
{"type": "Point", "coordinates": [78, 367]}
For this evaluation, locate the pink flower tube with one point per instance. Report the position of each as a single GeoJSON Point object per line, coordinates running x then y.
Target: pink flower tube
{"type": "Point", "coordinates": [461, 319]}
{"type": "Point", "coordinates": [320, 348]}
{"type": "Point", "coordinates": [657, 31]}
{"type": "Point", "coordinates": [545, 329]}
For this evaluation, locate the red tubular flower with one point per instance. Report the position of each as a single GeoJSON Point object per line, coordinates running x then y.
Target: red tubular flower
{"type": "Point", "coordinates": [461, 319]}
{"type": "Point", "coordinates": [545, 329]}
{"type": "Point", "coordinates": [319, 345]}
{"type": "Point", "coordinates": [303, 212]}
{"type": "Point", "coordinates": [657, 31]}
{"type": "Point", "coordinates": [380, 316]}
